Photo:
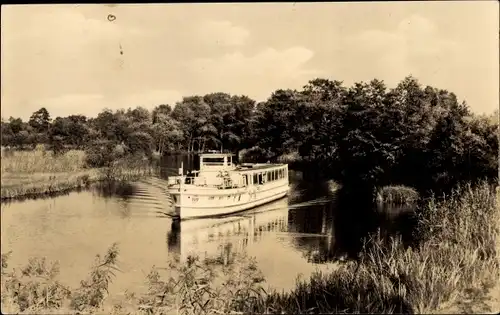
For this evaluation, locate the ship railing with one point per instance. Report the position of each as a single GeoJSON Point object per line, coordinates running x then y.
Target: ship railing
{"type": "Point", "coordinates": [174, 180]}
{"type": "Point", "coordinates": [202, 181]}
{"type": "Point", "coordinates": [195, 180]}
{"type": "Point", "coordinates": [229, 184]}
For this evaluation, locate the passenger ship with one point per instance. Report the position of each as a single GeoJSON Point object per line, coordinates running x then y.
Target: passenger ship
{"type": "Point", "coordinates": [219, 186]}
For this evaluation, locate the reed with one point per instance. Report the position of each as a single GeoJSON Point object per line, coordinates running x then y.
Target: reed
{"type": "Point", "coordinates": [42, 161]}
{"type": "Point", "coordinates": [27, 174]}
{"type": "Point", "coordinates": [456, 259]}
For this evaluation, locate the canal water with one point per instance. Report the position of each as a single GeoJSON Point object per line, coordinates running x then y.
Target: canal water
{"type": "Point", "coordinates": [308, 230]}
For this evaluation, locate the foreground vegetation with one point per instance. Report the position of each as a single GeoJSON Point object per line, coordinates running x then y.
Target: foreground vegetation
{"type": "Point", "coordinates": [456, 257]}
{"type": "Point", "coordinates": [39, 172]}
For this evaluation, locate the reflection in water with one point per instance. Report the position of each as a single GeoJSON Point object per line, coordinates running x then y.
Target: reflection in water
{"type": "Point", "coordinates": [206, 237]}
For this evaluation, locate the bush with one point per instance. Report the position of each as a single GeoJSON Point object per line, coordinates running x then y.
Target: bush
{"type": "Point", "coordinates": [397, 195]}
{"type": "Point", "coordinates": [102, 154]}
{"type": "Point", "coordinates": [34, 288]}
{"type": "Point", "coordinates": [254, 155]}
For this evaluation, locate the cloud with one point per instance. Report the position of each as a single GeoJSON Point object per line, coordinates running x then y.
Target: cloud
{"type": "Point", "coordinates": [412, 47]}
{"type": "Point", "coordinates": [223, 33]}
{"type": "Point", "coordinates": [267, 70]}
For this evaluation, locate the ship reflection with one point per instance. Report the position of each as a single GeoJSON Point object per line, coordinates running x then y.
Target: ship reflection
{"type": "Point", "coordinates": [211, 237]}
{"type": "Point", "coordinates": [308, 229]}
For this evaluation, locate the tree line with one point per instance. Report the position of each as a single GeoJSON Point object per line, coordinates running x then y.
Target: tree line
{"type": "Point", "coordinates": [365, 134]}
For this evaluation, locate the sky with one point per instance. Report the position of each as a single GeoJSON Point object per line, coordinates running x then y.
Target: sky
{"type": "Point", "coordinates": [67, 57]}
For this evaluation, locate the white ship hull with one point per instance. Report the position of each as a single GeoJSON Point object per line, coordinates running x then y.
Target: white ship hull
{"type": "Point", "coordinates": [227, 201]}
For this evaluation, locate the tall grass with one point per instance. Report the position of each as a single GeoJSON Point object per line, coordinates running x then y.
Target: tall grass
{"type": "Point", "coordinates": [41, 161]}
{"type": "Point", "coordinates": [39, 172]}
{"type": "Point", "coordinates": [457, 258]}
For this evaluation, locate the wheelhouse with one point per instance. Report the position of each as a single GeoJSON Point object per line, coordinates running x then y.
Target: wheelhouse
{"type": "Point", "coordinates": [214, 161]}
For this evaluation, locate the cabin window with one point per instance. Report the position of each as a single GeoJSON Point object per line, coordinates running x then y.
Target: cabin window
{"type": "Point", "coordinates": [211, 198]}
{"type": "Point", "coordinates": [213, 161]}
{"type": "Point", "coordinates": [261, 179]}
{"type": "Point", "coordinates": [269, 176]}
{"type": "Point", "coordinates": [280, 174]}
{"type": "Point", "coordinates": [255, 179]}
{"type": "Point", "coordinates": [275, 172]}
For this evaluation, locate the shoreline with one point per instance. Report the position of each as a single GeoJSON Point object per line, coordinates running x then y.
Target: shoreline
{"type": "Point", "coordinates": [22, 187]}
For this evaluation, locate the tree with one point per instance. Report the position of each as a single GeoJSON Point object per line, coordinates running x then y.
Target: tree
{"type": "Point", "coordinates": [16, 124]}
{"type": "Point", "coordinates": [112, 126]}
{"type": "Point", "coordinates": [78, 130]}
{"type": "Point", "coordinates": [164, 109]}
{"type": "Point", "coordinates": [364, 155]}
{"type": "Point", "coordinates": [7, 134]}
{"type": "Point", "coordinates": [167, 133]}
{"type": "Point", "coordinates": [193, 115]}
{"type": "Point", "coordinates": [275, 120]}
{"type": "Point", "coordinates": [318, 121]}
{"type": "Point", "coordinates": [140, 142]}
{"type": "Point", "coordinates": [40, 121]}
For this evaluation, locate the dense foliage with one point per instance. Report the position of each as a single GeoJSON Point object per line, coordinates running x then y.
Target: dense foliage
{"type": "Point", "coordinates": [365, 134]}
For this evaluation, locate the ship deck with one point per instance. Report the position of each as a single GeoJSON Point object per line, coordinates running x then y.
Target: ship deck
{"type": "Point", "coordinates": [257, 167]}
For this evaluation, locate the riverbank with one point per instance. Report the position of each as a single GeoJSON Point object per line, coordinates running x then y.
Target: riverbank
{"type": "Point", "coordinates": [31, 174]}
{"type": "Point", "coordinates": [456, 259]}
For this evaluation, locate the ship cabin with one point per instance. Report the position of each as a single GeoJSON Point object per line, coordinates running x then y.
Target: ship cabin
{"type": "Point", "coordinates": [220, 170]}
{"type": "Point", "coordinates": [216, 162]}
{"type": "Point", "coordinates": [263, 174]}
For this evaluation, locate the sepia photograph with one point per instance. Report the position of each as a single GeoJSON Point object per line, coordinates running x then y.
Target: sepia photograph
{"type": "Point", "coordinates": [250, 158]}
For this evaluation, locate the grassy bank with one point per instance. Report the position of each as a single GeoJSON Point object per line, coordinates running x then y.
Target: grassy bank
{"type": "Point", "coordinates": [34, 173]}
{"type": "Point", "coordinates": [456, 259]}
